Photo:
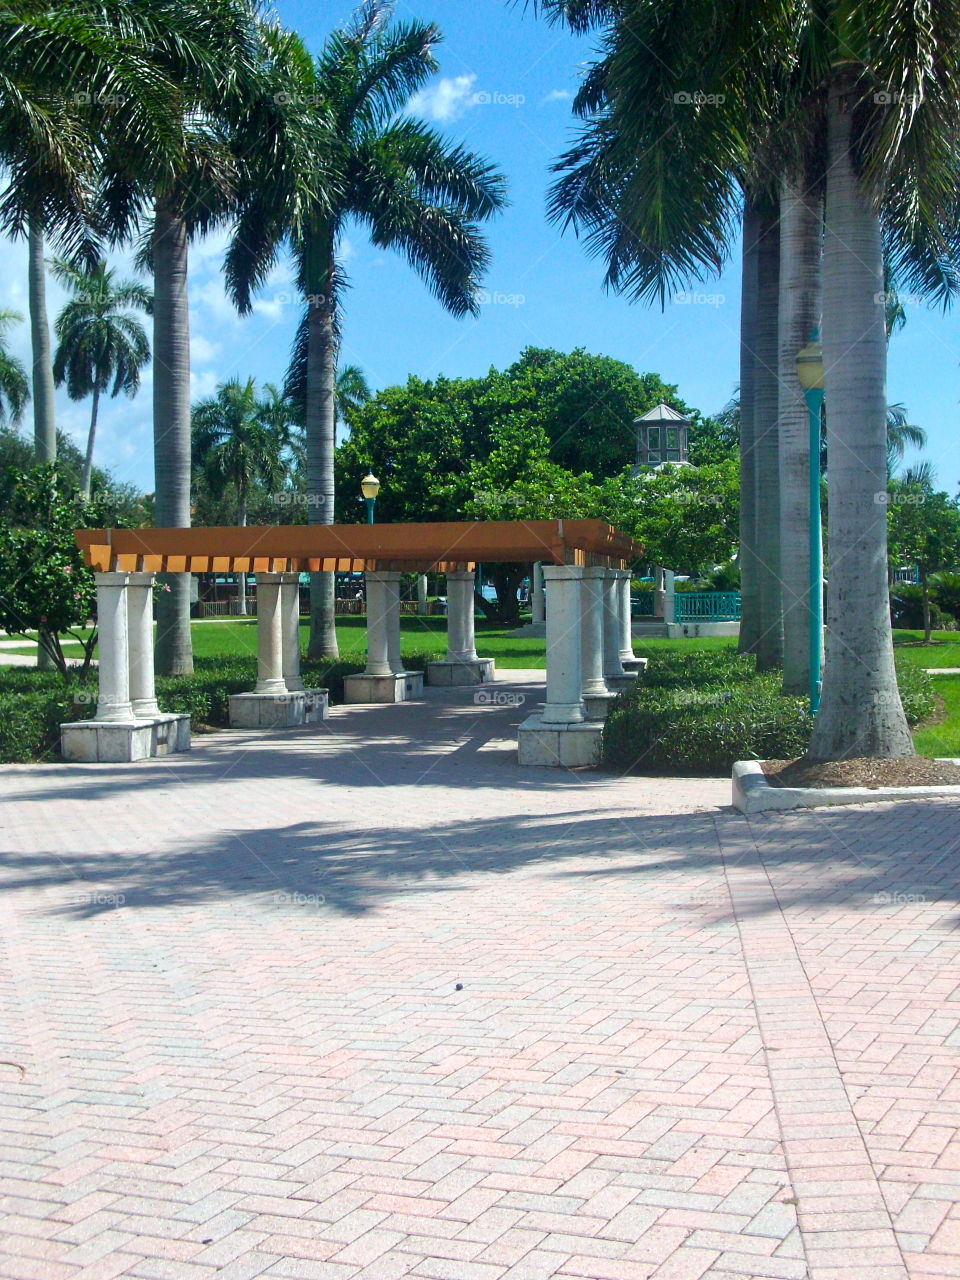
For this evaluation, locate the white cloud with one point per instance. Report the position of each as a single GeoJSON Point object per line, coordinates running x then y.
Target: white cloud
{"type": "Point", "coordinates": [202, 350]}
{"type": "Point", "coordinates": [558, 95]}
{"type": "Point", "coordinates": [446, 100]}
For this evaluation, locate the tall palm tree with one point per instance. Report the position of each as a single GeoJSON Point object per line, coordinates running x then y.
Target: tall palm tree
{"type": "Point", "coordinates": [206, 50]}
{"type": "Point", "coordinates": [901, 436]}
{"type": "Point", "coordinates": [352, 391]}
{"type": "Point", "coordinates": [412, 190]}
{"type": "Point", "coordinates": [102, 347]}
{"type": "Point", "coordinates": [238, 439]}
{"type": "Point", "coordinates": [14, 384]}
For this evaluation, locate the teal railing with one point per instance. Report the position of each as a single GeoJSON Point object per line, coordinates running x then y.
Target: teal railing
{"type": "Point", "coordinates": [641, 606]}
{"type": "Point", "coordinates": [707, 606]}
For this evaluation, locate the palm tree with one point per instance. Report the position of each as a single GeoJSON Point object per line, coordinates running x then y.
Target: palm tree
{"type": "Point", "coordinates": [173, 181]}
{"type": "Point", "coordinates": [14, 384]}
{"type": "Point", "coordinates": [239, 439]}
{"type": "Point", "coordinates": [99, 342]}
{"type": "Point", "coordinates": [412, 190]}
{"type": "Point", "coordinates": [352, 391]}
{"type": "Point", "coordinates": [901, 435]}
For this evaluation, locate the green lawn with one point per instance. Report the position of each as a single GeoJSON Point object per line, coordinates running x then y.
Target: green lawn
{"type": "Point", "coordinates": [943, 651]}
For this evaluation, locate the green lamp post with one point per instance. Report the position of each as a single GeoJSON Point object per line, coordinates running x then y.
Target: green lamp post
{"type": "Point", "coordinates": [370, 487]}
{"type": "Point", "coordinates": [810, 375]}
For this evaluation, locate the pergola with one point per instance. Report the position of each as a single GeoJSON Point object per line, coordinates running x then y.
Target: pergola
{"type": "Point", "coordinates": [584, 563]}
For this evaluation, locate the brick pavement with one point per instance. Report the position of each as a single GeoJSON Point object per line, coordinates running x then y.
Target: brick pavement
{"type": "Point", "coordinates": [685, 1044]}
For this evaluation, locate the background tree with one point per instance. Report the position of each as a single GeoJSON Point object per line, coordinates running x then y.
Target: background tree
{"type": "Point", "coordinates": [239, 439]}
{"type": "Point", "coordinates": [352, 391]}
{"type": "Point", "coordinates": [412, 190]}
{"type": "Point", "coordinates": [14, 383]}
{"type": "Point", "coordinates": [924, 530]}
{"type": "Point", "coordinates": [101, 346]}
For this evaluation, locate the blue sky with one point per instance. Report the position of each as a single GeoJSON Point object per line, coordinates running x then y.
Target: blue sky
{"type": "Point", "coordinates": [504, 88]}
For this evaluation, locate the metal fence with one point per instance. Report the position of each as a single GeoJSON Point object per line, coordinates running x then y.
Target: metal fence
{"type": "Point", "coordinates": [641, 606]}
{"type": "Point", "coordinates": [707, 606]}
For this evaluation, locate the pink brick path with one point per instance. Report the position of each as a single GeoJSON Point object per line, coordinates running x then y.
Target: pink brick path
{"type": "Point", "coordinates": [686, 1045]}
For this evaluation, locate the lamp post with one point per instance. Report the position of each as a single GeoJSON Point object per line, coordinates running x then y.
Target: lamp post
{"type": "Point", "coordinates": [810, 375]}
{"type": "Point", "coordinates": [370, 487]}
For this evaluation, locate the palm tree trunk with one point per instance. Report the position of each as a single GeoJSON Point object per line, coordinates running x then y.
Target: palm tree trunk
{"type": "Point", "coordinates": [91, 436]}
{"type": "Point", "coordinates": [801, 220]}
{"type": "Point", "coordinates": [242, 577]}
{"type": "Point", "coordinates": [171, 428]}
{"type": "Point", "coordinates": [747, 558]}
{"type": "Point", "coordinates": [320, 424]}
{"type": "Point", "coordinates": [769, 643]}
{"type": "Point", "coordinates": [860, 711]}
{"type": "Point", "coordinates": [44, 416]}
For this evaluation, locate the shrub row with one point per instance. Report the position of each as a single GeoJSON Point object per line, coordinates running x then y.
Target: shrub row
{"type": "Point", "coordinates": [704, 710]}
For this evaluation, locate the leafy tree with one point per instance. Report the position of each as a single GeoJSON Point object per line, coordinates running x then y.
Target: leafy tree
{"type": "Point", "coordinates": [99, 342]}
{"type": "Point", "coordinates": [923, 529]}
{"type": "Point", "coordinates": [14, 385]}
{"type": "Point", "coordinates": [239, 439]}
{"type": "Point", "coordinates": [44, 584]}
{"type": "Point", "coordinates": [414, 192]}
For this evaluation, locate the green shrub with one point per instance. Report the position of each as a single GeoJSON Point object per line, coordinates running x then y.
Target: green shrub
{"type": "Point", "coordinates": [945, 589]}
{"type": "Point", "coordinates": [704, 710]}
{"type": "Point", "coordinates": [906, 608]}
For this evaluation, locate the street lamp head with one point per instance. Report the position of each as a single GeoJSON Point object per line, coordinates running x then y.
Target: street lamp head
{"type": "Point", "coordinates": [810, 365]}
{"type": "Point", "coordinates": [370, 486]}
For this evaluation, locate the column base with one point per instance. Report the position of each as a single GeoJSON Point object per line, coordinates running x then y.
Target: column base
{"type": "Point", "coordinates": [542, 745]}
{"type": "Point", "coordinates": [277, 710]}
{"type": "Point", "coordinates": [618, 683]}
{"type": "Point", "coordinates": [637, 665]}
{"type": "Point", "coordinates": [401, 687]}
{"type": "Point", "coordinates": [103, 742]}
{"type": "Point", "coordinates": [598, 704]}
{"type": "Point", "coordinates": [444, 674]}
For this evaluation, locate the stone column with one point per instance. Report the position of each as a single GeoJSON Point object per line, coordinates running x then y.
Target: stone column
{"type": "Point", "coordinates": [290, 628]}
{"type": "Point", "coordinates": [658, 592]}
{"type": "Point", "coordinates": [269, 635]}
{"type": "Point", "coordinates": [669, 597]}
{"type": "Point", "coordinates": [378, 654]}
{"type": "Point", "coordinates": [421, 594]}
{"type": "Point", "coordinates": [564, 704]}
{"type": "Point", "coordinates": [626, 624]}
{"type": "Point", "coordinates": [461, 634]}
{"type": "Point", "coordinates": [591, 635]}
{"type": "Point", "coordinates": [391, 587]}
{"type": "Point", "coordinates": [143, 693]}
{"type": "Point", "coordinates": [113, 640]}
{"type": "Point", "coordinates": [538, 602]}
{"type": "Point", "coordinates": [612, 666]}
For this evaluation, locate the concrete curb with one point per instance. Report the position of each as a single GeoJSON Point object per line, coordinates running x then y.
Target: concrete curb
{"type": "Point", "coordinates": [752, 793]}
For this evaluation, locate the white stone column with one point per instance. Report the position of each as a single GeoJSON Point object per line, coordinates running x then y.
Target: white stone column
{"type": "Point", "coordinates": [537, 601]}
{"type": "Point", "coordinates": [591, 633]}
{"type": "Point", "coordinates": [421, 594]}
{"type": "Point", "coordinates": [113, 643]}
{"type": "Point", "coordinates": [626, 618]}
{"type": "Point", "coordinates": [612, 666]}
{"type": "Point", "coordinates": [143, 692]}
{"type": "Point", "coordinates": [378, 654]}
{"type": "Point", "coordinates": [461, 633]}
{"type": "Point", "coordinates": [564, 704]}
{"type": "Point", "coordinates": [658, 591]}
{"type": "Point", "coordinates": [669, 597]}
{"type": "Point", "coordinates": [290, 629]}
{"type": "Point", "coordinates": [269, 635]}
{"type": "Point", "coordinates": [391, 587]}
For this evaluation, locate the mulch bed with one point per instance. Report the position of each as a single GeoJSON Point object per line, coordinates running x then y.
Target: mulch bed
{"type": "Point", "coordinates": [913, 771]}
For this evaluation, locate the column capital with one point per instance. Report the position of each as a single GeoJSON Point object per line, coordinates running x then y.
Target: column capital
{"type": "Point", "coordinates": [111, 579]}
{"type": "Point", "coordinates": [562, 572]}
{"type": "Point", "coordinates": [268, 579]}
{"type": "Point", "coordinates": [141, 579]}
{"type": "Point", "coordinates": [594, 571]}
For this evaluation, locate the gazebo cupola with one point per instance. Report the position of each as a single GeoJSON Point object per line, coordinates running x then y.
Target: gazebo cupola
{"type": "Point", "coordinates": [661, 437]}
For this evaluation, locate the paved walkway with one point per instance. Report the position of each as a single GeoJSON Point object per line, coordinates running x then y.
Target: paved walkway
{"type": "Point", "coordinates": [370, 1001]}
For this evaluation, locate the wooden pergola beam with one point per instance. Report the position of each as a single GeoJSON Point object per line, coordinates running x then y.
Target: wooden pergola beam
{"type": "Point", "coordinates": [410, 548]}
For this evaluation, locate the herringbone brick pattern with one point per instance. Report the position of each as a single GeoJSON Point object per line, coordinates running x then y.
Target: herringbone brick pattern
{"type": "Point", "coordinates": [370, 1001]}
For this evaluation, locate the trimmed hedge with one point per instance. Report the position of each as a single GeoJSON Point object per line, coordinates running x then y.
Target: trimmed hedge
{"type": "Point", "coordinates": [702, 711]}
{"type": "Point", "coordinates": [33, 704]}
